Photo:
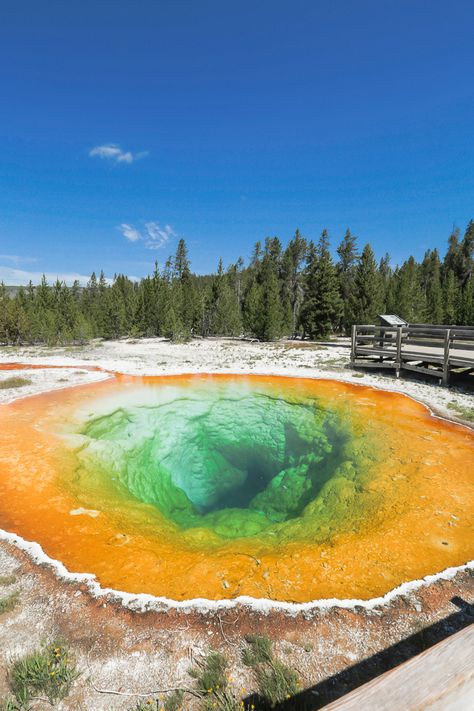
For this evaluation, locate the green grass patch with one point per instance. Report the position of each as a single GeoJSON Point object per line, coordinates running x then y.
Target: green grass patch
{"type": "Point", "coordinates": [223, 701]}
{"type": "Point", "coordinates": [467, 413]}
{"type": "Point", "coordinates": [48, 672]}
{"type": "Point", "coordinates": [173, 702]}
{"type": "Point", "coordinates": [7, 579]}
{"type": "Point", "coordinates": [210, 674]}
{"type": "Point", "coordinates": [258, 651]}
{"type": "Point", "coordinates": [212, 685]}
{"type": "Point", "coordinates": [276, 682]}
{"type": "Point", "coordinates": [14, 383]}
{"type": "Point", "coordinates": [8, 602]}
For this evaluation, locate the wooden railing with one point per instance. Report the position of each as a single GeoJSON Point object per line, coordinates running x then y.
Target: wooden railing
{"type": "Point", "coordinates": [429, 349]}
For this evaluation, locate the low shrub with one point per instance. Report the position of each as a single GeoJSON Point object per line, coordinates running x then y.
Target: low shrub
{"type": "Point", "coordinates": [467, 413]}
{"type": "Point", "coordinates": [8, 602]}
{"type": "Point", "coordinates": [47, 672]}
{"type": "Point", "coordinates": [14, 383]}
{"type": "Point", "coordinates": [276, 682]}
{"type": "Point", "coordinates": [7, 579]}
{"type": "Point", "coordinates": [258, 651]}
{"type": "Point", "coordinates": [173, 702]}
{"type": "Point", "coordinates": [210, 673]}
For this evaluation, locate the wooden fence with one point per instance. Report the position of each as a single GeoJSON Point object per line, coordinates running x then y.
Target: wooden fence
{"type": "Point", "coordinates": [423, 348]}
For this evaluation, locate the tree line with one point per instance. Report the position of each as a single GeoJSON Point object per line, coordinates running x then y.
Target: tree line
{"type": "Point", "coordinates": [298, 291]}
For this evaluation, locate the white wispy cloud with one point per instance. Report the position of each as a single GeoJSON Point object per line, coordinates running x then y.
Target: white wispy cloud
{"type": "Point", "coordinates": [114, 153]}
{"type": "Point", "coordinates": [18, 259]}
{"type": "Point", "coordinates": [129, 232]}
{"type": "Point", "coordinates": [152, 235]}
{"type": "Point", "coordinates": [157, 236]}
{"type": "Point", "coordinates": [19, 277]}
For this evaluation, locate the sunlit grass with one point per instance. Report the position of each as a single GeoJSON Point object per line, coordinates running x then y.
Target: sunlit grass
{"type": "Point", "coordinates": [7, 579]}
{"type": "Point", "coordinates": [48, 672]}
{"type": "Point", "coordinates": [210, 673]}
{"type": "Point", "coordinates": [258, 651]}
{"type": "Point", "coordinates": [14, 382]}
{"type": "Point", "coordinates": [8, 602]}
{"type": "Point", "coordinates": [276, 681]}
{"type": "Point", "coordinates": [467, 413]}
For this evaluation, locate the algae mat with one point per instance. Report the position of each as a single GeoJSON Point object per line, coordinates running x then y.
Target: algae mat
{"type": "Point", "coordinates": [222, 486]}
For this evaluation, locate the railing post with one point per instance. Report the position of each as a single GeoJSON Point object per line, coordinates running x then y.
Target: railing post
{"type": "Point", "coordinates": [398, 357]}
{"type": "Point", "coordinates": [353, 344]}
{"type": "Point", "coordinates": [447, 339]}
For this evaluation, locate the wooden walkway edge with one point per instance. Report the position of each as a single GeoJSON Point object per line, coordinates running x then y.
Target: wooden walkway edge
{"type": "Point", "coordinates": [439, 679]}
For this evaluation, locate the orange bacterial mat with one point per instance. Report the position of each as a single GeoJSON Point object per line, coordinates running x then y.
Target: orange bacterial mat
{"type": "Point", "coordinates": [218, 486]}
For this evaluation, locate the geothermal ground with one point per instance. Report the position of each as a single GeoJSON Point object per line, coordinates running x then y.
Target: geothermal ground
{"type": "Point", "coordinates": [125, 656]}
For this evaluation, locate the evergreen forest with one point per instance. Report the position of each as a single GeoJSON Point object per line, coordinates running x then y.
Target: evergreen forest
{"type": "Point", "coordinates": [303, 290]}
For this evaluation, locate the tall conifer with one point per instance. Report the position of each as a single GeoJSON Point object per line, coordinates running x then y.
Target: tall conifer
{"type": "Point", "coordinates": [323, 305]}
{"type": "Point", "coordinates": [366, 298]}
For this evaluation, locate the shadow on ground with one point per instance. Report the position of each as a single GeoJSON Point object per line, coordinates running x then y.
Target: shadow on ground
{"type": "Point", "coordinates": [332, 688]}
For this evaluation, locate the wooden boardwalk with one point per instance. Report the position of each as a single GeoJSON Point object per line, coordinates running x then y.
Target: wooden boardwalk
{"type": "Point", "coordinates": [439, 679]}
{"type": "Point", "coordinates": [432, 350]}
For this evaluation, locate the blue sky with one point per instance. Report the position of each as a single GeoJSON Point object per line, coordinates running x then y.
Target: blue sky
{"type": "Point", "coordinates": [223, 122]}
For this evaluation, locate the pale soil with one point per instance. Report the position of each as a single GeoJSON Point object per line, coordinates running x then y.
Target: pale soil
{"type": "Point", "coordinates": [156, 356]}
{"type": "Point", "coordinates": [120, 650]}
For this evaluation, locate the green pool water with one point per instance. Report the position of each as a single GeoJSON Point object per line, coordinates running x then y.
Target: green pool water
{"type": "Point", "coordinates": [236, 463]}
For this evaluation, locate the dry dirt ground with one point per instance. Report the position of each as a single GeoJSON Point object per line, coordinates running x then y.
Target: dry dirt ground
{"type": "Point", "coordinates": [122, 654]}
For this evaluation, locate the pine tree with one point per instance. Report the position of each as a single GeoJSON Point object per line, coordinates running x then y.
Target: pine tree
{"type": "Point", "coordinates": [451, 298]}
{"type": "Point", "coordinates": [225, 312]}
{"type": "Point", "coordinates": [115, 311]}
{"type": "Point", "coordinates": [100, 308]}
{"type": "Point", "coordinates": [465, 276]}
{"type": "Point", "coordinates": [411, 301]}
{"type": "Point", "coordinates": [172, 326]}
{"type": "Point", "coordinates": [15, 322]}
{"type": "Point", "coordinates": [273, 296]}
{"type": "Point", "coordinates": [292, 281]}
{"type": "Point", "coordinates": [272, 312]}
{"type": "Point", "coordinates": [366, 297]}
{"type": "Point", "coordinates": [451, 259]}
{"type": "Point", "coordinates": [465, 255]}
{"type": "Point", "coordinates": [346, 266]}
{"type": "Point", "coordinates": [467, 307]}
{"type": "Point", "coordinates": [434, 293]}
{"type": "Point", "coordinates": [183, 294]}
{"type": "Point", "coordinates": [143, 323]}
{"type": "Point", "coordinates": [322, 305]}
{"type": "Point", "coordinates": [157, 288]}
{"type": "Point", "coordinates": [4, 299]}
{"type": "Point", "coordinates": [386, 282]}
{"type": "Point", "coordinates": [43, 294]}
{"type": "Point", "coordinates": [253, 309]}
{"type": "Point", "coordinates": [235, 279]}
{"type": "Point", "coordinates": [181, 262]}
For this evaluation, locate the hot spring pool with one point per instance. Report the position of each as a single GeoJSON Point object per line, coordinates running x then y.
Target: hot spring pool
{"type": "Point", "coordinates": [223, 486]}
